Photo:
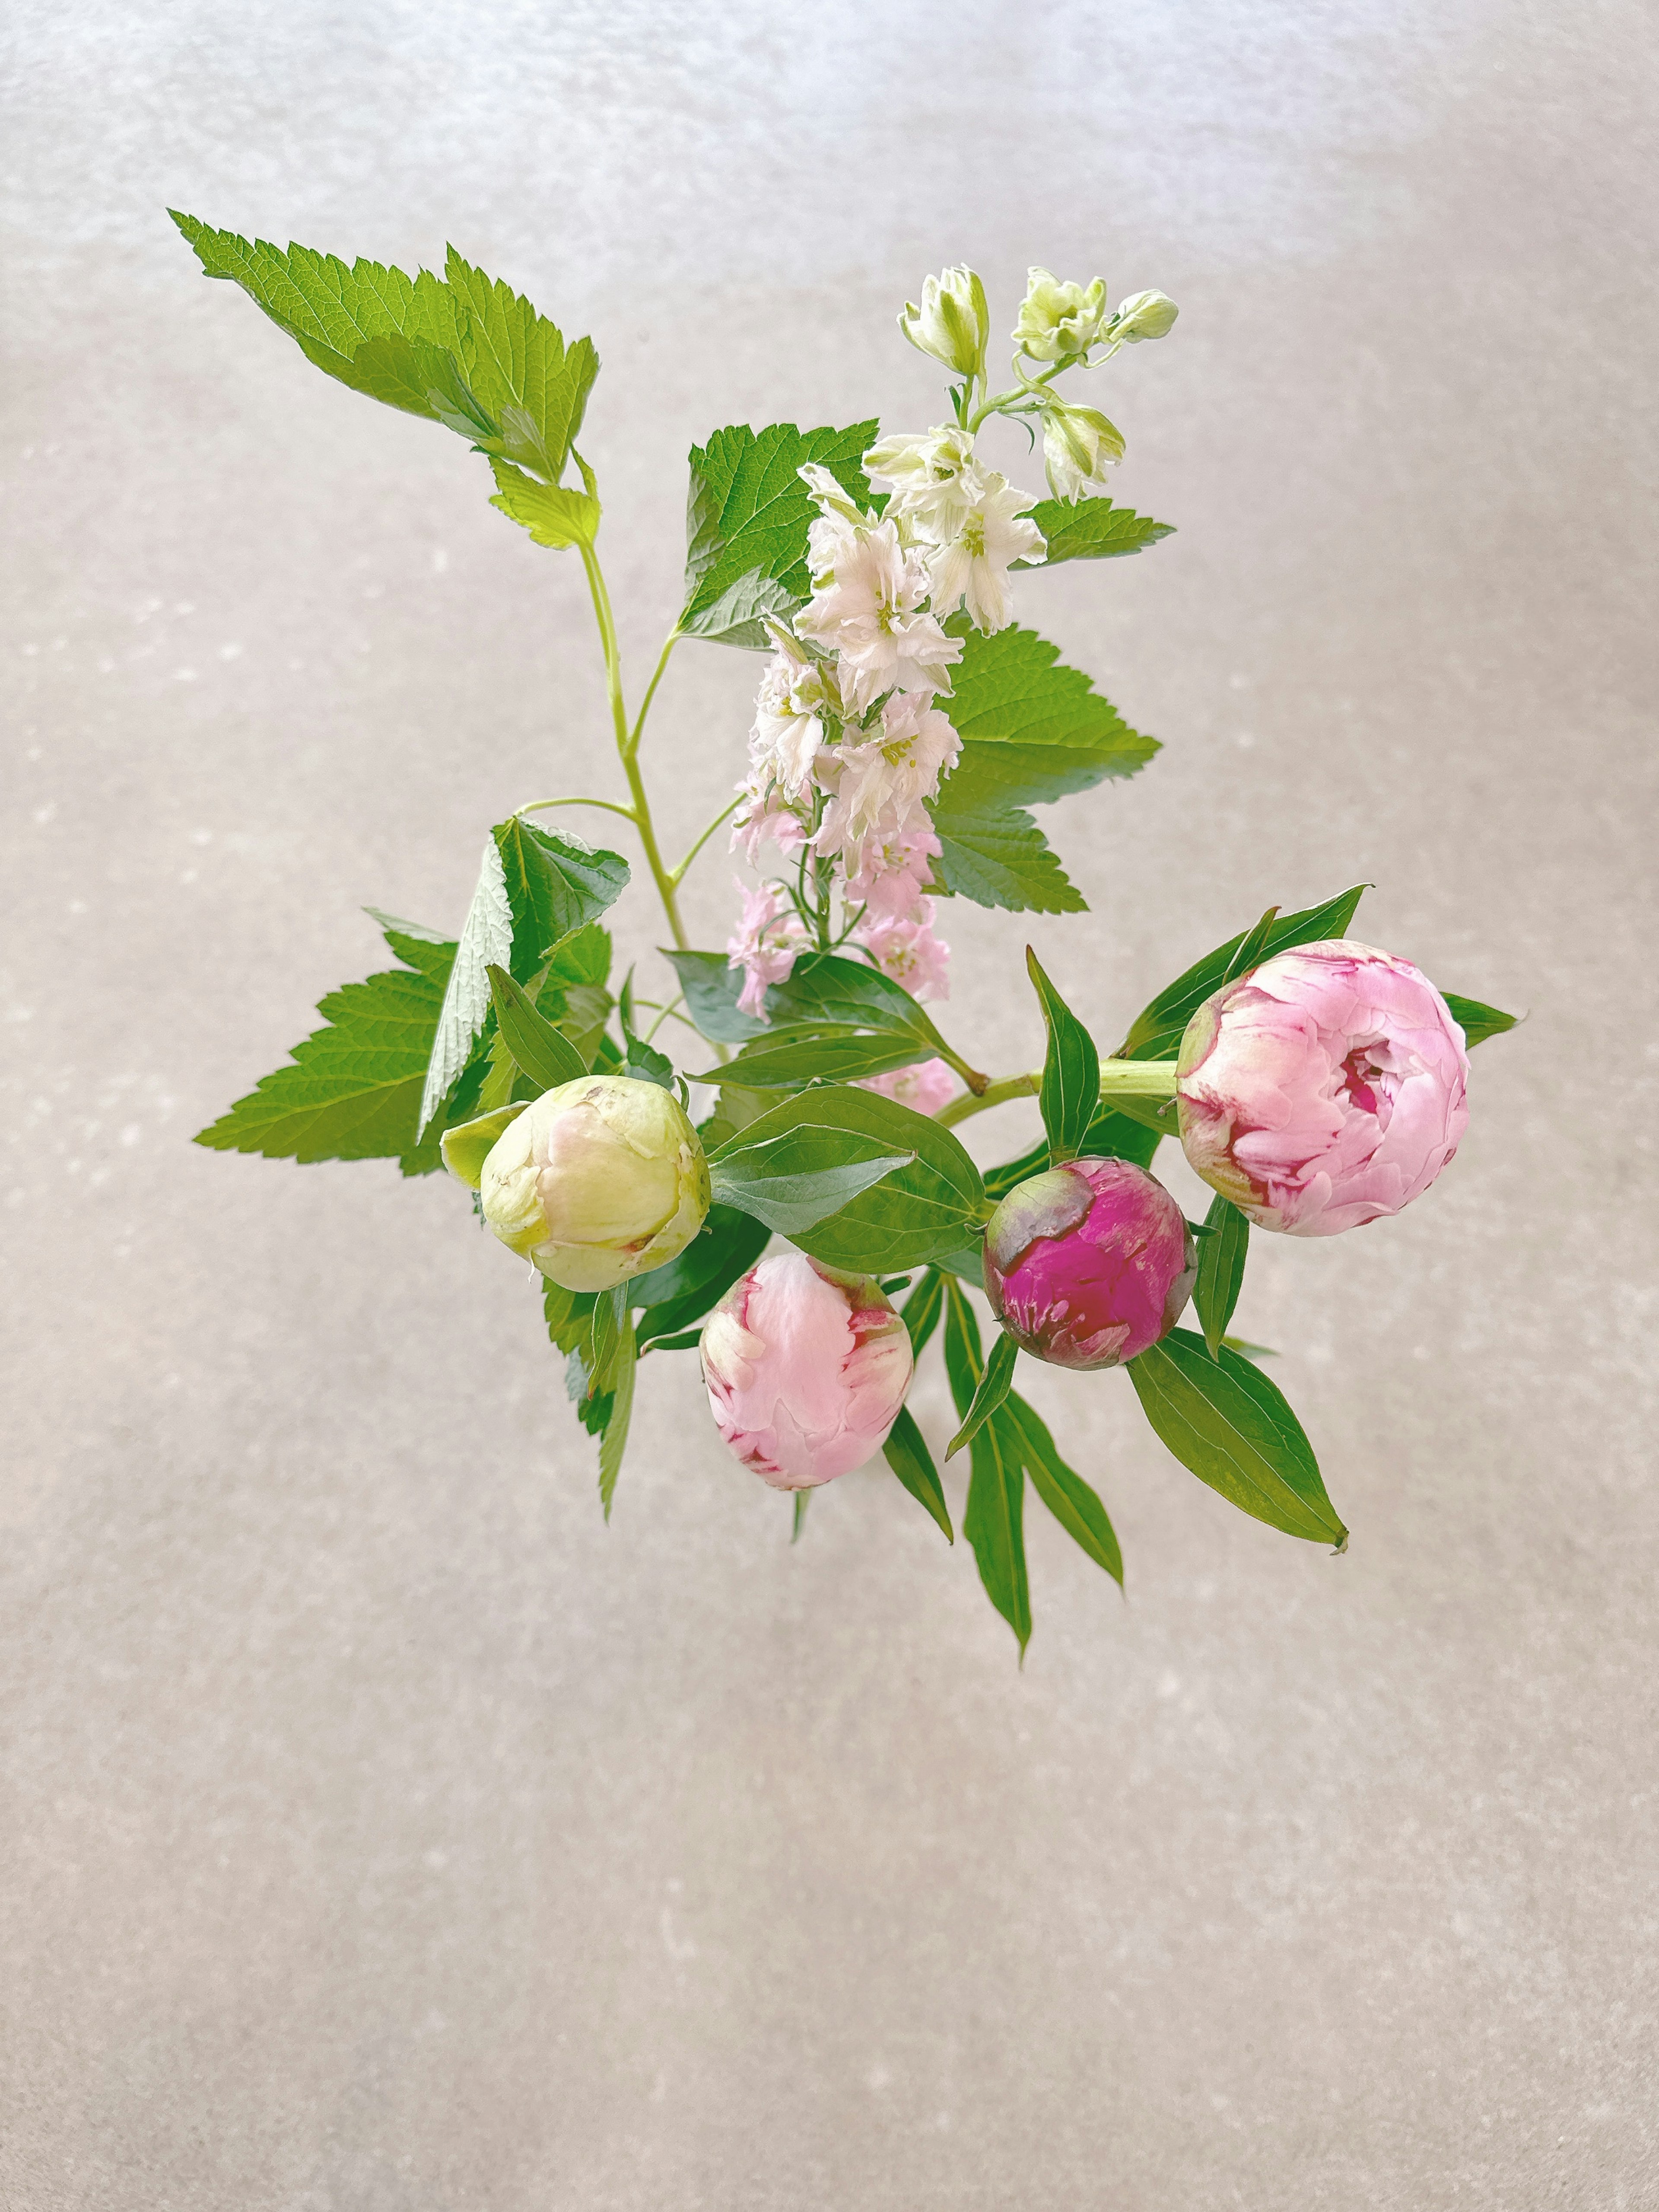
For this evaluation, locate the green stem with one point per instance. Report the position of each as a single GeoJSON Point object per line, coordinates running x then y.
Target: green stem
{"type": "Point", "coordinates": [676, 875]}
{"type": "Point", "coordinates": [657, 673]}
{"type": "Point", "coordinates": [1119, 1078]}
{"type": "Point", "coordinates": [540, 805]}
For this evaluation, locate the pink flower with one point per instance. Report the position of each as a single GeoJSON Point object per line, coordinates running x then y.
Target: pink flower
{"type": "Point", "coordinates": [1324, 1089]}
{"type": "Point", "coordinates": [1087, 1264]}
{"type": "Point", "coordinates": [882, 781]}
{"type": "Point", "coordinates": [866, 593]}
{"type": "Point", "coordinates": [765, 814]}
{"type": "Point", "coordinates": [924, 1088]}
{"type": "Point", "coordinates": [768, 940]}
{"type": "Point", "coordinates": [805, 1369]}
{"type": "Point", "coordinates": [907, 950]}
{"type": "Point", "coordinates": [893, 868]}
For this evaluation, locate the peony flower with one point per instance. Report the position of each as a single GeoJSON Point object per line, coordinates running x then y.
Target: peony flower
{"type": "Point", "coordinates": [952, 323]}
{"type": "Point", "coordinates": [881, 781]}
{"type": "Point", "coordinates": [1323, 1090]}
{"type": "Point", "coordinates": [891, 871]}
{"type": "Point", "coordinates": [805, 1369]}
{"type": "Point", "coordinates": [1079, 446]}
{"type": "Point", "coordinates": [769, 940]}
{"type": "Point", "coordinates": [1087, 1264]}
{"type": "Point", "coordinates": [972, 563]}
{"type": "Point", "coordinates": [924, 1088]}
{"type": "Point", "coordinates": [596, 1180]}
{"type": "Point", "coordinates": [906, 950]}
{"type": "Point", "coordinates": [864, 607]}
{"type": "Point", "coordinates": [1057, 320]}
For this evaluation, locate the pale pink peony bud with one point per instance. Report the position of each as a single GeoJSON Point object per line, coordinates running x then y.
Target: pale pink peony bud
{"type": "Point", "coordinates": [1086, 1265]}
{"type": "Point", "coordinates": [806, 1369]}
{"type": "Point", "coordinates": [1323, 1090]}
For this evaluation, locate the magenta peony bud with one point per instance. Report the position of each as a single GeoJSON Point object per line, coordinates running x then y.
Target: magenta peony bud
{"type": "Point", "coordinates": [806, 1369]}
{"type": "Point", "coordinates": [1323, 1089]}
{"type": "Point", "coordinates": [1088, 1264]}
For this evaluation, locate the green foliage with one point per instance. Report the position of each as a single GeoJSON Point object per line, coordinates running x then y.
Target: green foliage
{"type": "Point", "coordinates": [994, 1522]}
{"type": "Point", "coordinates": [688, 1287]}
{"type": "Point", "coordinates": [1110, 1135]}
{"type": "Point", "coordinates": [993, 1385]}
{"type": "Point", "coordinates": [1093, 530]}
{"type": "Point", "coordinates": [1478, 1023]}
{"type": "Point", "coordinates": [552, 514]}
{"type": "Point", "coordinates": [913, 1192]}
{"type": "Point", "coordinates": [466, 1145]}
{"type": "Point", "coordinates": [462, 350]}
{"type": "Point", "coordinates": [712, 986]}
{"type": "Point", "coordinates": [1224, 1419]}
{"type": "Point", "coordinates": [613, 1440]}
{"type": "Point", "coordinates": [354, 1090]}
{"type": "Point", "coordinates": [835, 1019]}
{"type": "Point", "coordinates": [906, 1452]}
{"type": "Point", "coordinates": [1032, 731]}
{"type": "Point", "coordinates": [922, 1309]}
{"type": "Point", "coordinates": [537, 1049]}
{"type": "Point", "coordinates": [1074, 1503]}
{"type": "Point", "coordinates": [1156, 1030]}
{"type": "Point", "coordinates": [1221, 1260]}
{"type": "Point", "coordinates": [1071, 1072]}
{"type": "Point", "coordinates": [747, 517]}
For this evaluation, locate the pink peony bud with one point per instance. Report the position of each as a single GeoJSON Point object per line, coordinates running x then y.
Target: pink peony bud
{"type": "Point", "coordinates": [1088, 1264]}
{"type": "Point", "coordinates": [806, 1369]}
{"type": "Point", "coordinates": [1323, 1089]}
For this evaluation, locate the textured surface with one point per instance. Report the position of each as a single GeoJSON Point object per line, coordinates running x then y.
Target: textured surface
{"type": "Point", "coordinates": [381, 1830]}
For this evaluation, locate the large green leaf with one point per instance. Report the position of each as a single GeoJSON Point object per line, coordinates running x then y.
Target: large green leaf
{"type": "Point", "coordinates": [747, 517]}
{"type": "Point", "coordinates": [1220, 1270]}
{"type": "Point", "coordinates": [1477, 1022]}
{"type": "Point", "coordinates": [906, 1452]}
{"type": "Point", "coordinates": [835, 1019]}
{"type": "Point", "coordinates": [518, 366]}
{"type": "Point", "coordinates": [917, 1209]}
{"type": "Point", "coordinates": [1071, 1071]}
{"type": "Point", "coordinates": [1156, 1030]}
{"type": "Point", "coordinates": [994, 1522]}
{"type": "Point", "coordinates": [1093, 530]}
{"type": "Point", "coordinates": [788, 1060]}
{"type": "Point", "coordinates": [1074, 1503]}
{"type": "Point", "coordinates": [354, 1090]}
{"type": "Point", "coordinates": [1032, 731]}
{"type": "Point", "coordinates": [1224, 1419]}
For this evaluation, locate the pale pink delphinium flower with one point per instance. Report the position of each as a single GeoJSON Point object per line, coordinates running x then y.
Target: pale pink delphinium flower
{"type": "Point", "coordinates": [864, 608]}
{"type": "Point", "coordinates": [891, 871]}
{"type": "Point", "coordinates": [882, 779]}
{"type": "Point", "coordinates": [770, 939]}
{"type": "Point", "coordinates": [1323, 1089]}
{"type": "Point", "coordinates": [970, 566]}
{"type": "Point", "coordinates": [805, 1369]}
{"type": "Point", "coordinates": [906, 949]}
{"type": "Point", "coordinates": [924, 1088]}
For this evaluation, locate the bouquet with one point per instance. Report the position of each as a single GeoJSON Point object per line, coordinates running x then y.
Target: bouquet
{"type": "Point", "coordinates": [759, 1163]}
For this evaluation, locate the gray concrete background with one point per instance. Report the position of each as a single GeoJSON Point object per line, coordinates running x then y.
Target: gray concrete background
{"type": "Point", "coordinates": [382, 1831]}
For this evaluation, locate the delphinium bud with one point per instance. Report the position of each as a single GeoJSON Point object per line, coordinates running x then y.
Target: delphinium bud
{"type": "Point", "coordinates": [806, 1369]}
{"type": "Point", "coordinates": [1079, 446]}
{"type": "Point", "coordinates": [1323, 1090]}
{"type": "Point", "coordinates": [952, 323]}
{"type": "Point", "coordinates": [596, 1180]}
{"type": "Point", "coordinates": [1086, 1265]}
{"type": "Point", "coordinates": [1143, 315]}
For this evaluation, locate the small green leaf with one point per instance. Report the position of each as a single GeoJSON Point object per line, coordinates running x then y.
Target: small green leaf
{"type": "Point", "coordinates": [1221, 1260]}
{"type": "Point", "coordinates": [554, 882]}
{"type": "Point", "coordinates": [994, 1522]}
{"type": "Point", "coordinates": [646, 1064]}
{"type": "Point", "coordinates": [1252, 948]}
{"type": "Point", "coordinates": [994, 1387]}
{"type": "Point", "coordinates": [467, 1147]}
{"type": "Point", "coordinates": [1157, 1029]}
{"type": "Point", "coordinates": [1225, 1420]}
{"type": "Point", "coordinates": [906, 1454]}
{"type": "Point", "coordinates": [613, 1442]}
{"type": "Point", "coordinates": [552, 514]}
{"type": "Point", "coordinates": [1478, 1023]}
{"type": "Point", "coordinates": [800, 1501]}
{"type": "Point", "coordinates": [711, 985]}
{"type": "Point", "coordinates": [569, 1314]}
{"type": "Point", "coordinates": [1071, 1072]}
{"type": "Point", "coordinates": [546, 1057]}
{"type": "Point", "coordinates": [518, 366]}
{"type": "Point", "coordinates": [747, 519]}
{"type": "Point", "coordinates": [921, 1310]}
{"type": "Point", "coordinates": [1093, 530]}
{"type": "Point", "coordinates": [1062, 1490]}
{"type": "Point", "coordinates": [605, 1334]}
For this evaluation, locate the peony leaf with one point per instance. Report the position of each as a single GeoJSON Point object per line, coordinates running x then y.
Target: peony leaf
{"type": "Point", "coordinates": [788, 1060]}
{"type": "Point", "coordinates": [765, 1179]}
{"type": "Point", "coordinates": [548, 1058]}
{"type": "Point", "coordinates": [1071, 1072]}
{"type": "Point", "coordinates": [1156, 1030]}
{"type": "Point", "coordinates": [613, 1440]}
{"type": "Point", "coordinates": [712, 986]}
{"type": "Point", "coordinates": [906, 1452]}
{"type": "Point", "coordinates": [1478, 1023]}
{"type": "Point", "coordinates": [994, 1386]}
{"type": "Point", "coordinates": [1062, 1490]}
{"type": "Point", "coordinates": [921, 1310]}
{"type": "Point", "coordinates": [1224, 1419]}
{"type": "Point", "coordinates": [1220, 1270]}
{"type": "Point", "coordinates": [1092, 530]}
{"type": "Point", "coordinates": [685, 1289]}
{"type": "Point", "coordinates": [993, 1520]}
{"type": "Point", "coordinates": [747, 519]}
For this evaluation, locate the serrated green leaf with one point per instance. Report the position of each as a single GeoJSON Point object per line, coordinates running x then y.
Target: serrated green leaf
{"type": "Point", "coordinates": [991, 851]}
{"type": "Point", "coordinates": [1229, 1424]}
{"type": "Point", "coordinates": [1071, 1071]}
{"type": "Point", "coordinates": [537, 1049]}
{"type": "Point", "coordinates": [747, 517]}
{"type": "Point", "coordinates": [993, 1385]}
{"type": "Point", "coordinates": [925, 1206]}
{"type": "Point", "coordinates": [1221, 1260]}
{"type": "Point", "coordinates": [1477, 1022]}
{"type": "Point", "coordinates": [906, 1452]}
{"type": "Point", "coordinates": [354, 1090]}
{"type": "Point", "coordinates": [1092, 530]}
{"type": "Point", "coordinates": [518, 365]}
{"type": "Point", "coordinates": [1074, 1503]}
{"type": "Point", "coordinates": [568, 1314]}
{"type": "Point", "coordinates": [686, 1288]}
{"type": "Point", "coordinates": [1157, 1029]}
{"type": "Point", "coordinates": [553, 514]}
{"type": "Point", "coordinates": [555, 883]}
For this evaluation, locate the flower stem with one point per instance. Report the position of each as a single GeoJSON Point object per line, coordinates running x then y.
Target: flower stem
{"type": "Point", "coordinates": [676, 875]}
{"type": "Point", "coordinates": [1119, 1078]}
{"type": "Point", "coordinates": [540, 805]}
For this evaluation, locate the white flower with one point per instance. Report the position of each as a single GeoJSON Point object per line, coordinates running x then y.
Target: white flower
{"type": "Point", "coordinates": [1059, 321]}
{"type": "Point", "coordinates": [1079, 446]}
{"type": "Point", "coordinates": [766, 817]}
{"type": "Point", "coordinates": [952, 323]}
{"type": "Point", "coordinates": [935, 475]}
{"type": "Point", "coordinates": [865, 607]}
{"type": "Point", "coordinates": [1144, 315]}
{"type": "Point", "coordinates": [795, 692]}
{"type": "Point", "coordinates": [883, 780]}
{"type": "Point", "coordinates": [973, 563]}
{"type": "Point", "coordinates": [827, 490]}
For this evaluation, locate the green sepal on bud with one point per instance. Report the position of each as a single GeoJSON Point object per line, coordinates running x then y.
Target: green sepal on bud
{"type": "Point", "coordinates": [1057, 322]}
{"type": "Point", "coordinates": [594, 1181]}
{"type": "Point", "coordinates": [1143, 315]}
{"type": "Point", "coordinates": [1079, 446]}
{"type": "Point", "coordinates": [469, 1144]}
{"type": "Point", "coordinates": [953, 322]}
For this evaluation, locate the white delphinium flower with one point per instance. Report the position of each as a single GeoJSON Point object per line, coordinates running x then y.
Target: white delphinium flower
{"type": "Point", "coordinates": [795, 693]}
{"type": "Point", "coordinates": [890, 870]}
{"type": "Point", "coordinates": [765, 817]}
{"type": "Point", "coordinates": [884, 779]}
{"type": "Point", "coordinates": [1079, 446]}
{"type": "Point", "coordinates": [953, 321]}
{"type": "Point", "coordinates": [935, 475]}
{"type": "Point", "coordinates": [865, 606]}
{"type": "Point", "coordinates": [1057, 322]}
{"type": "Point", "coordinates": [971, 563]}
